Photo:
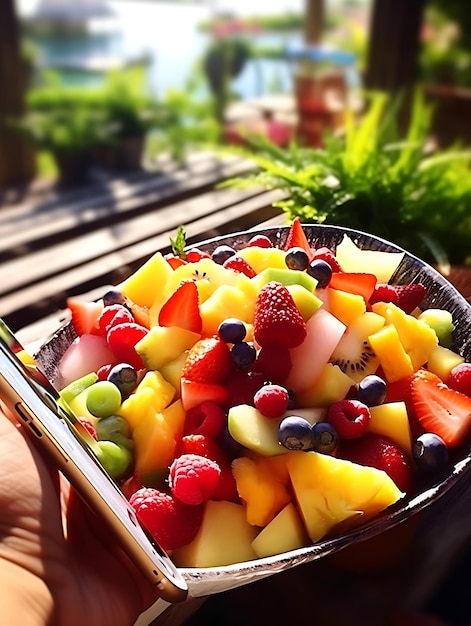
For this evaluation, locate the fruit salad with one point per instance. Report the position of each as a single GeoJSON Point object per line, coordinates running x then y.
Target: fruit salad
{"type": "Point", "coordinates": [254, 401]}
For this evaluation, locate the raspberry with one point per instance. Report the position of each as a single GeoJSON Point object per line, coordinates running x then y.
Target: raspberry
{"type": "Point", "coordinates": [238, 264]}
{"type": "Point", "coordinates": [384, 293]}
{"type": "Point", "coordinates": [325, 254]}
{"type": "Point", "coordinates": [350, 418]}
{"type": "Point", "coordinates": [274, 362]}
{"type": "Point", "coordinates": [261, 241]}
{"type": "Point", "coordinates": [112, 315]}
{"type": "Point", "coordinates": [122, 338]}
{"type": "Point", "coordinates": [195, 254]}
{"type": "Point", "coordinates": [277, 320]}
{"type": "Point", "coordinates": [271, 400]}
{"type": "Point", "coordinates": [460, 378]}
{"type": "Point", "coordinates": [193, 479]}
{"type": "Point", "coordinates": [208, 418]}
{"type": "Point", "coordinates": [170, 522]}
{"type": "Point", "coordinates": [409, 296]}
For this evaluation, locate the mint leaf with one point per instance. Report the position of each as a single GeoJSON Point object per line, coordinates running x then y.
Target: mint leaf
{"type": "Point", "coordinates": [178, 244]}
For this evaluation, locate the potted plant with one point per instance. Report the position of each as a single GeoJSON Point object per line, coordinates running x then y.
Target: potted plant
{"type": "Point", "coordinates": [372, 178]}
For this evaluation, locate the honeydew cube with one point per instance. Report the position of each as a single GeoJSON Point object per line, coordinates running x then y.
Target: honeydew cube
{"type": "Point", "coordinates": [390, 352]}
{"type": "Point", "coordinates": [391, 420]}
{"type": "Point", "coordinates": [260, 259]}
{"type": "Point", "coordinates": [353, 259]}
{"type": "Point", "coordinates": [284, 533]}
{"type": "Point", "coordinates": [442, 360]}
{"type": "Point", "coordinates": [330, 491]}
{"type": "Point", "coordinates": [284, 276]}
{"type": "Point", "coordinates": [346, 306]}
{"type": "Point", "coordinates": [306, 301]}
{"type": "Point", "coordinates": [163, 344]}
{"type": "Point", "coordinates": [225, 537]}
{"type": "Point", "coordinates": [331, 386]}
{"type": "Point", "coordinates": [263, 494]}
{"type": "Point", "coordinates": [146, 285]}
{"type": "Point", "coordinates": [253, 430]}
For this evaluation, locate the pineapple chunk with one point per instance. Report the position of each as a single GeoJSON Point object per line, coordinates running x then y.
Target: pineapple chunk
{"type": "Point", "coordinates": [389, 350]}
{"type": "Point", "coordinates": [146, 285]}
{"type": "Point", "coordinates": [353, 259]}
{"type": "Point", "coordinates": [391, 420]}
{"type": "Point", "coordinates": [285, 532]}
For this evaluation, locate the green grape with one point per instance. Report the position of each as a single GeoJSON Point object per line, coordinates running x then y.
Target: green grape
{"type": "Point", "coordinates": [115, 459]}
{"type": "Point", "coordinates": [103, 399]}
{"type": "Point", "coordinates": [114, 428]}
{"type": "Point", "coordinates": [442, 323]}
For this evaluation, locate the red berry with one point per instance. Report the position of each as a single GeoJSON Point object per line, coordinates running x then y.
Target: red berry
{"type": "Point", "coordinates": [271, 400]}
{"type": "Point", "coordinates": [238, 264]}
{"type": "Point", "coordinates": [122, 338]}
{"type": "Point", "coordinates": [409, 296]}
{"type": "Point", "coordinates": [350, 418]}
{"type": "Point", "coordinates": [384, 293]}
{"type": "Point", "coordinates": [171, 523]}
{"type": "Point", "coordinates": [88, 425]}
{"type": "Point", "coordinates": [460, 378]}
{"type": "Point", "coordinates": [193, 479]}
{"type": "Point", "coordinates": [325, 254]}
{"type": "Point", "coordinates": [195, 254]}
{"type": "Point", "coordinates": [113, 315]}
{"type": "Point", "coordinates": [274, 362]}
{"type": "Point", "coordinates": [261, 241]}
{"type": "Point", "coordinates": [380, 452]}
{"type": "Point", "coordinates": [208, 361]}
{"type": "Point", "coordinates": [208, 418]}
{"type": "Point", "coordinates": [277, 320]}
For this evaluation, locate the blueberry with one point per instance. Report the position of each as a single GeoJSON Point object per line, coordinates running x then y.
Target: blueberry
{"type": "Point", "coordinates": [297, 259]}
{"type": "Point", "coordinates": [295, 433]}
{"type": "Point", "coordinates": [325, 437]}
{"type": "Point", "coordinates": [372, 390]}
{"type": "Point", "coordinates": [321, 271]}
{"type": "Point", "coordinates": [124, 376]}
{"type": "Point", "coordinates": [222, 253]}
{"type": "Point", "coordinates": [243, 354]}
{"type": "Point", "coordinates": [430, 453]}
{"type": "Point", "coordinates": [114, 296]}
{"type": "Point", "coordinates": [232, 330]}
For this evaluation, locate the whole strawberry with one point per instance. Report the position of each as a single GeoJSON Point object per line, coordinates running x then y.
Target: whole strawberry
{"type": "Point", "coordinates": [208, 361]}
{"type": "Point", "coordinates": [170, 522]}
{"type": "Point", "coordinates": [277, 320]}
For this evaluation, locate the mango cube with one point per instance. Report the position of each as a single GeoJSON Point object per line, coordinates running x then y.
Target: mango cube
{"type": "Point", "coordinates": [151, 395]}
{"type": "Point", "coordinates": [285, 532]}
{"type": "Point", "coordinates": [146, 285]}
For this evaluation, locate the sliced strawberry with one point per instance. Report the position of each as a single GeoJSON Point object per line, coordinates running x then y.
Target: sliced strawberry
{"type": "Point", "coordinates": [122, 338]}
{"type": "Point", "coordinates": [277, 320]}
{"type": "Point", "coordinates": [84, 315]}
{"type": "Point", "coordinates": [238, 264]}
{"type": "Point", "coordinates": [174, 261]}
{"type": "Point", "coordinates": [297, 238]}
{"type": "Point", "coordinates": [410, 296]}
{"type": "Point", "coordinates": [354, 282]}
{"type": "Point", "coordinates": [441, 410]}
{"type": "Point", "coordinates": [195, 254]}
{"type": "Point", "coordinates": [208, 361]}
{"type": "Point", "coordinates": [181, 309]}
{"type": "Point", "coordinates": [194, 393]}
{"type": "Point", "coordinates": [208, 418]}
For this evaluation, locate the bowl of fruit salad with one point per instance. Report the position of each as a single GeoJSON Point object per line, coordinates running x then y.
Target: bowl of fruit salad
{"type": "Point", "coordinates": [271, 397]}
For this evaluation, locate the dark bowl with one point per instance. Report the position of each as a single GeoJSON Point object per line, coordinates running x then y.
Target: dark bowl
{"type": "Point", "coordinates": [440, 294]}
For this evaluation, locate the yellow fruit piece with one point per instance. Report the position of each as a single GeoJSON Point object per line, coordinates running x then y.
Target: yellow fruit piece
{"type": "Point", "coordinates": [390, 352]}
{"type": "Point", "coordinates": [78, 405]}
{"type": "Point", "coordinates": [284, 533]}
{"type": "Point", "coordinates": [353, 259]}
{"type": "Point", "coordinates": [442, 360]}
{"type": "Point", "coordinates": [155, 438]}
{"type": "Point", "coordinates": [152, 395]}
{"type": "Point", "coordinates": [146, 285]}
{"type": "Point", "coordinates": [163, 344]}
{"type": "Point", "coordinates": [416, 336]}
{"type": "Point", "coordinates": [225, 537]}
{"type": "Point", "coordinates": [262, 258]}
{"type": "Point", "coordinates": [306, 302]}
{"type": "Point", "coordinates": [207, 274]}
{"type": "Point", "coordinates": [346, 306]}
{"type": "Point", "coordinates": [226, 301]}
{"type": "Point", "coordinates": [263, 495]}
{"type": "Point", "coordinates": [331, 386]}
{"type": "Point", "coordinates": [391, 420]}
{"type": "Point", "coordinates": [26, 358]}
{"type": "Point", "coordinates": [329, 491]}
{"type": "Point", "coordinates": [172, 371]}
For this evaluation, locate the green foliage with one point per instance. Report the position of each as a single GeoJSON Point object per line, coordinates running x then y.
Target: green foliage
{"type": "Point", "coordinates": [374, 179]}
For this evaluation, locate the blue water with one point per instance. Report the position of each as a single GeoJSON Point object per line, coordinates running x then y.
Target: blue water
{"type": "Point", "coordinates": [167, 32]}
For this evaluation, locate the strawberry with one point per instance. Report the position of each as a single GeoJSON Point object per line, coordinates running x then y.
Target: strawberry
{"type": "Point", "coordinates": [84, 315]}
{"type": "Point", "coordinates": [208, 418]}
{"type": "Point", "coordinates": [113, 315]}
{"type": "Point", "coordinates": [193, 479]}
{"type": "Point", "coordinates": [122, 338]}
{"type": "Point", "coordinates": [238, 264]}
{"type": "Point", "coordinates": [208, 361]}
{"type": "Point", "coordinates": [181, 309]}
{"type": "Point", "coordinates": [409, 296]}
{"type": "Point", "coordinates": [380, 452]}
{"type": "Point", "coordinates": [277, 320]}
{"type": "Point", "coordinates": [170, 522]}
{"type": "Point", "coordinates": [194, 393]}
{"type": "Point", "coordinates": [354, 282]}
{"type": "Point", "coordinates": [174, 261]}
{"type": "Point", "coordinates": [297, 238]}
{"type": "Point", "coordinates": [195, 254]}
{"type": "Point", "coordinates": [325, 254]}
{"type": "Point", "coordinates": [460, 378]}
{"type": "Point", "coordinates": [441, 410]}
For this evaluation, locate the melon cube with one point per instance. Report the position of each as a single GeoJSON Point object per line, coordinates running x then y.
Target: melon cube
{"type": "Point", "coordinates": [442, 360]}
{"type": "Point", "coordinates": [226, 301]}
{"type": "Point", "coordinates": [391, 420]}
{"type": "Point", "coordinates": [284, 533]}
{"type": "Point", "coordinates": [331, 386]}
{"type": "Point", "coordinates": [353, 259]}
{"type": "Point", "coordinates": [262, 258]}
{"type": "Point", "coordinates": [146, 285]}
{"type": "Point", "coordinates": [306, 301]}
{"type": "Point", "coordinates": [163, 344]}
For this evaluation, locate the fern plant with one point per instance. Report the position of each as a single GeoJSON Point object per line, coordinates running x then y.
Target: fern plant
{"type": "Point", "coordinates": [374, 178]}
